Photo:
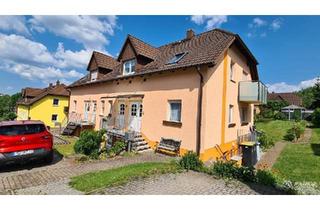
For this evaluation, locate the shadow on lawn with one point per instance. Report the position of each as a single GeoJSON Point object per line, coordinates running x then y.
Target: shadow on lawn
{"type": "Point", "coordinates": [316, 149]}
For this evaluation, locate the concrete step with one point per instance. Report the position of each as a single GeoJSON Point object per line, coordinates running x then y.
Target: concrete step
{"type": "Point", "coordinates": [146, 150]}
{"type": "Point", "coordinates": [142, 147]}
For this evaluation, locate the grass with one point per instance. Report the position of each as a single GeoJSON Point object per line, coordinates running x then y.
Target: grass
{"type": "Point", "coordinates": [301, 162]}
{"type": "Point", "coordinates": [275, 129]}
{"type": "Point", "coordinates": [66, 149]}
{"type": "Point", "coordinates": [118, 176]}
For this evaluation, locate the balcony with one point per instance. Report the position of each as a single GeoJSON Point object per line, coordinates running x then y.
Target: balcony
{"type": "Point", "coordinates": [254, 92]}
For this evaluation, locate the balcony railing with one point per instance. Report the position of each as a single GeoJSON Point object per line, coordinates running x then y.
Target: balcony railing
{"type": "Point", "coordinates": [86, 118]}
{"type": "Point", "coordinates": [253, 92]}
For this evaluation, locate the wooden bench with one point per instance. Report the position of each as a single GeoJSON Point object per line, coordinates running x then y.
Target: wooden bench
{"type": "Point", "coordinates": [169, 146]}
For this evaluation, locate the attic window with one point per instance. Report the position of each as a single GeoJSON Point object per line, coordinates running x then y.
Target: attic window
{"type": "Point", "coordinates": [129, 67]}
{"type": "Point", "coordinates": [176, 58]}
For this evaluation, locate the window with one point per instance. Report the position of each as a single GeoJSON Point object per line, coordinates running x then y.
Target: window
{"type": "Point", "coordinates": [94, 76]}
{"type": "Point", "coordinates": [129, 67]}
{"type": "Point", "coordinates": [102, 107]}
{"type": "Point", "coordinates": [134, 110]}
{"type": "Point", "coordinates": [176, 58]}
{"type": "Point", "coordinates": [121, 109]}
{"type": "Point", "coordinates": [94, 107]}
{"type": "Point", "coordinates": [232, 65]}
{"type": "Point", "coordinates": [244, 76]}
{"type": "Point", "coordinates": [13, 130]}
{"type": "Point", "coordinates": [244, 114]}
{"type": "Point", "coordinates": [54, 117]}
{"type": "Point", "coordinates": [230, 121]}
{"type": "Point", "coordinates": [74, 105]}
{"type": "Point", "coordinates": [175, 111]}
{"type": "Point", "coordinates": [140, 110]}
{"type": "Point", "coordinates": [55, 102]}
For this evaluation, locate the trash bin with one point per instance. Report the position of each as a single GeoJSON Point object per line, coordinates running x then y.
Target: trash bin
{"type": "Point", "coordinates": [249, 153]}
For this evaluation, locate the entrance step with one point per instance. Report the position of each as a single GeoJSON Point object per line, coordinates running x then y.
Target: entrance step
{"type": "Point", "coordinates": [139, 144]}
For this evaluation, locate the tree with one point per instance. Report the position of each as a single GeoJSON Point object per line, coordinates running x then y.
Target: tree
{"type": "Point", "coordinates": [316, 117]}
{"type": "Point", "coordinates": [316, 95]}
{"type": "Point", "coordinates": [8, 106]}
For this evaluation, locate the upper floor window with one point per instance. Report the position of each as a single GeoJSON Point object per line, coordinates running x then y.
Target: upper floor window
{"type": "Point", "coordinates": [232, 70]}
{"type": "Point", "coordinates": [102, 106]}
{"type": "Point", "coordinates": [230, 120]}
{"type": "Point", "coordinates": [94, 76]}
{"type": "Point", "coordinates": [129, 67]}
{"type": "Point", "coordinates": [55, 102]}
{"type": "Point", "coordinates": [75, 105]}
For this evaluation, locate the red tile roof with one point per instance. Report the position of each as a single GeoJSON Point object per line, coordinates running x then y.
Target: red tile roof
{"type": "Point", "coordinates": [104, 61]}
{"type": "Point", "coordinates": [204, 48]}
{"type": "Point", "coordinates": [291, 98]}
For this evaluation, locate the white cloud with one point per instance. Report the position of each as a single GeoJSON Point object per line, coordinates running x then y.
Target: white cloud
{"type": "Point", "coordinates": [32, 60]}
{"type": "Point", "coordinates": [90, 31]}
{"type": "Point", "coordinates": [257, 23]}
{"type": "Point", "coordinates": [14, 23]}
{"type": "Point", "coordinates": [276, 24]}
{"type": "Point", "coordinates": [282, 87]}
{"type": "Point", "coordinates": [211, 21]}
{"type": "Point", "coordinates": [68, 58]}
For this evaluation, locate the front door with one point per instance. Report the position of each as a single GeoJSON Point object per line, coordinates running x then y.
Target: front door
{"type": "Point", "coordinates": [86, 110]}
{"type": "Point", "coordinates": [120, 120]}
{"type": "Point", "coordinates": [135, 116]}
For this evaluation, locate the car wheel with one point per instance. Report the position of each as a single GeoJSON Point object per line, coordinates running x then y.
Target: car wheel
{"type": "Point", "coordinates": [49, 158]}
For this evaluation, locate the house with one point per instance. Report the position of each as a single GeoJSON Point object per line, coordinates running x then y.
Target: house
{"type": "Point", "coordinates": [291, 98]}
{"type": "Point", "coordinates": [200, 90]}
{"type": "Point", "coordinates": [49, 104]}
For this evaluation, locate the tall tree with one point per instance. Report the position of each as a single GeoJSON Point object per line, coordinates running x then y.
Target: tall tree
{"type": "Point", "coordinates": [316, 95]}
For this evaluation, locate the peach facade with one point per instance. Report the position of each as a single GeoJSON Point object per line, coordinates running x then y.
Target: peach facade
{"type": "Point", "coordinates": [156, 90]}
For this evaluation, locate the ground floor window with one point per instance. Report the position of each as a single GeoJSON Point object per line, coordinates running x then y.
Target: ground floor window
{"type": "Point", "coordinates": [175, 110]}
{"type": "Point", "coordinates": [54, 117]}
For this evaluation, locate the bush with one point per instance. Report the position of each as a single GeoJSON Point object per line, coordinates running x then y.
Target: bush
{"type": "Point", "coordinates": [265, 141]}
{"type": "Point", "coordinates": [88, 144]}
{"type": "Point", "coordinates": [296, 115]}
{"type": "Point", "coordinates": [117, 148]}
{"type": "Point", "coordinates": [290, 136]}
{"type": "Point", "coordinates": [315, 118]}
{"type": "Point", "coordinates": [191, 161]}
{"type": "Point", "coordinates": [230, 170]}
{"type": "Point", "coordinates": [280, 116]}
{"type": "Point", "coordinates": [295, 132]}
{"type": "Point", "coordinates": [266, 178]}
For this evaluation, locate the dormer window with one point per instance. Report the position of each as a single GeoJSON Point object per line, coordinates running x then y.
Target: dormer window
{"type": "Point", "coordinates": [129, 67]}
{"type": "Point", "coordinates": [94, 76]}
{"type": "Point", "coordinates": [176, 58]}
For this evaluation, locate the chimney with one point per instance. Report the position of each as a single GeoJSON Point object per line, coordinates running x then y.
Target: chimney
{"type": "Point", "coordinates": [58, 82]}
{"type": "Point", "coordinates": [190, 34]}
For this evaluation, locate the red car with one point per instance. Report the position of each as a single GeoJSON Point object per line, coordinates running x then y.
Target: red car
{"type": "Point", "coordinates": [24, 141]}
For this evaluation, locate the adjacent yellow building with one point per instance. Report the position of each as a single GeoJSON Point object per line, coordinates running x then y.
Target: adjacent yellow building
{"type": "Point", "coordinates": [49, 105]}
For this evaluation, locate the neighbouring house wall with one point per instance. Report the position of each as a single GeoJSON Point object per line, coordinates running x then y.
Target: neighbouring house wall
{"type": "Point", "coordinates": [44, 109]}
{"type": "Point", "coordinates": [22, 112]}
{"type": "Point", "coordinates": [157, 89]}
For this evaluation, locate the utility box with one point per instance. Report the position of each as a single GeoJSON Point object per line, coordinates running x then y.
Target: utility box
{"type": "Point", "coordinates": [249, 153]}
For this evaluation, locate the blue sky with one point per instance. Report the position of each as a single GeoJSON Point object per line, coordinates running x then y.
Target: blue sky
{"type": "Point", "coordinates": [36, 50]}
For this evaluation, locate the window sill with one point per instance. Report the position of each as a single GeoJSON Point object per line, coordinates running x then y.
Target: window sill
{"type": "Point", "coordinates": [231, 125]}
{"type": "Point", "coordinates": [172, 123]}
{"type": "Point", "coordinates": [244, 123]}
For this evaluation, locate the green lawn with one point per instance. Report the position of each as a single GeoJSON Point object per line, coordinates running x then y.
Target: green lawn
{"type": "Point", "coordinates": [275, 129]}
{"type": "Point", "coordinates": [118, 176]}
{"type": "Point", "coordinates": [66, 149]}
{"type": "Point", "coordinates": [301, 162]}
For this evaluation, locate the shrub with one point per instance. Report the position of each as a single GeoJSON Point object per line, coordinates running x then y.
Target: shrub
{"type": "Point", "coordinates": [191, 161]}
{"type": "Point", "coordinates": [295, 132]}
{"type": "Point", "coordinates": [290, 135]}
{"type": "Point", "coordinates": [265, 141]}
{"type": "Point", "coordinates": [88, 144]}
{"type": "Point", "coordinates": [296, 115]}
{"type": "Point", "coordinates": [280, 116]}
{"type": "Point", "coordinates": [266, 178]}
{"type": "Point", "coordinates": [315, 117]}
{"type": "Point", "coordinates": [118, 147]}
{"type": "Point", "coordinates": [230, 170]}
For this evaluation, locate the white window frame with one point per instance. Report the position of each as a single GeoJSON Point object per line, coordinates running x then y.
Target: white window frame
{"type": "Point", "coordinates": [231, 110]}
{"type": "Point", "coordinates": [232, 70]}
{"type": "Point", "coordinates": [132, 63]}
{"type": "Point", "coordinates": [54, 103]}
{"type": "Point", "coordinates": [94, 76]}
{"type": "Point", "coordinates": [170, 111]}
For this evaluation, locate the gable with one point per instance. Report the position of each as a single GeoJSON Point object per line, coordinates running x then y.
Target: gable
{"type": "Point", "coordinates": [92, 64]}
{"type": "Point", "coordinates": [127, 52]}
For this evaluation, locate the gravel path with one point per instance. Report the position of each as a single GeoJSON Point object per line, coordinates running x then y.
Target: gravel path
{"type": "Point", "coordinates": [188, 183]}
{"type": "Point", "coordinates": [270, 156]}
{"type": "Point", "coordinates": [305, 137]}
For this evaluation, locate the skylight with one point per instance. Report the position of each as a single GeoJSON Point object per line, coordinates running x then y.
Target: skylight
{"type": "Point", "coordinates": [176, 58]}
